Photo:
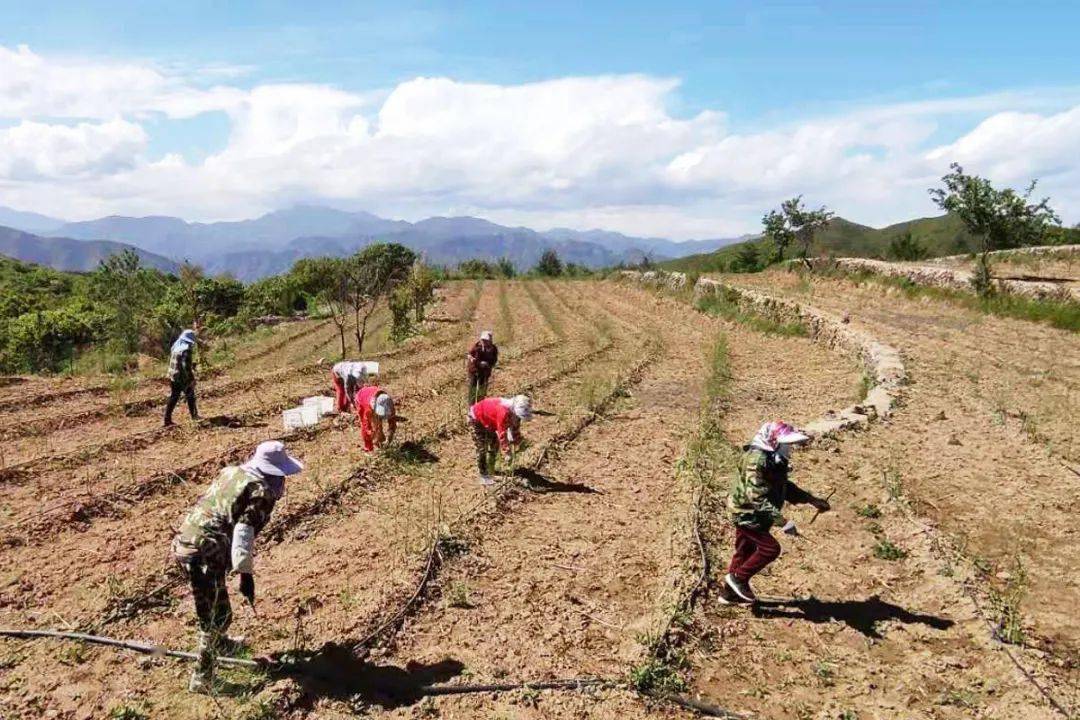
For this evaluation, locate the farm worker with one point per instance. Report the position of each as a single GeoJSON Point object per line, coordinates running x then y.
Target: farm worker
{"type": "Point", "coordinates": [373, 405]}
{"type": "Point", "coordinates": [347, 376]}
{"type": "Point", "coordinates": [758, 493]}
{"type": "Point", "coordinates": [181, 375]}
{"type": "Point", "coordinates": [496, 425]}
{"type": "Point", "coordinates": [482, 358]}
{"type": "Point", "coordinates": [218, 534]}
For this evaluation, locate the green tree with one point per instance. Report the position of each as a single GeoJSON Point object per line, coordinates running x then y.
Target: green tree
{"type": "Point", "coordinates": [506, 268]}
{"type": "Point", "coordinates": [549, 265]}
{"type": "Point", "coordinates": [999, 219]}
{"type": "Point", "coordinates": [906, 247]}
{"type": "Point", "coordinates": [421, 288]}
{"type": "Point", "coordinates": [371, 275]}
{"type": "Point", "coordinates": [400, 303]}
{"type": "Point", "coordinates": [747, 259]}
{"type": "Point", "coordinates": [794, 223]}
{"type": "Point", "coordinates": [477, 269]}
{"type": "Point", "coordinates": [127, 293]}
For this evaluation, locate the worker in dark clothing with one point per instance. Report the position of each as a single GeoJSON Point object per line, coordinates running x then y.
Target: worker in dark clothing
{"type": "Point", "coordinates": [482, 358]}
{"type": "Point", "coordinates": [182, 375]}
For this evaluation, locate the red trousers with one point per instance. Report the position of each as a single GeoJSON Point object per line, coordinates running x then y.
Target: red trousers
{"type": "Point", "coordinates": [754, 549]}
{"type": "Point", "coordinates": [341, 398]}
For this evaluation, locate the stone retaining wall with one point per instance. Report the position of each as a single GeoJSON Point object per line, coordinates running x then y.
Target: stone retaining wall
{"type": "Point", "coordinates": [882, 362]}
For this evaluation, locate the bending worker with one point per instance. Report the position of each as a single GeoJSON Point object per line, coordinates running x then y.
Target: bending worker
{"type": "Point", "coordinates": [482, 358]}
{"type": "Point", "coordinates": [218, 534]}
{"type": "Point", "coordinates": [757, 497]}
{"type": "Point", "coordinates": [181, 376]}
{"type": "Point", "coordinates": [373, 405]}
{"type": "Point", "coordinates": [347, 376]}
{"type": "Point", "coordinates": [496, 425]}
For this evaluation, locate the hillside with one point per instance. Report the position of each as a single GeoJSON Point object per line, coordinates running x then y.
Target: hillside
{"type": "Point", "coordinates": [61, 253]}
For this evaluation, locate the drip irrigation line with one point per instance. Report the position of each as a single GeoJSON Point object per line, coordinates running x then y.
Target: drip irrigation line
{"type": "Point", "coordinates": [140, 647]}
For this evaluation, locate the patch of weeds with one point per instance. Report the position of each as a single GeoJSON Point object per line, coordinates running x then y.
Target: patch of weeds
{"type": "Point", "coordinates": [886, 549]}
{"type": "Point", "coordinates": [127, 712]}
{"type": "Point", "coordinates": [73, 654]}
{"type": "Point", "coordinates": [656, 675]}
{"type": "Point", "coordinates": [725, 302]}
{"type": "Point", "coordinates": [450, 545]}
{"type": "Point", "coordinates": [894, 486]}
{"type": "Point", "coordinates": [121, 389]}
{"type": "Point", "coordinates": [593, 391]}
{"type": "Point", "coordinates": [960, 698]}
{"type": "Point", "coordinates": [458, 595]}
{"type": "Point", "coordinates": [258, 709]}
{"type": "Point", "coordinates": [870, 511]}
{"type": "Point", "coordinates": [849, 715]}
{"type": "Point", "coordinates": [866, 384]}
{"type": "Point", "coordinates": [825, 672]}
{"type": "Point", "coordinates": [530, 697]}
{"type": "Point", "coordinates": [1005, 602]}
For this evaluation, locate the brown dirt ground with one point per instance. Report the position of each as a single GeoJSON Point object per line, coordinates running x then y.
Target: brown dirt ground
{"type": "Point", "coordinates": [549, 584]}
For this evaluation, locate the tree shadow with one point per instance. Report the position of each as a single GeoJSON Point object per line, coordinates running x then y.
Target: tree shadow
{"type": "Point", "coordinates": [335, 672]}
{"type": "Point", "coordinates": [861, 615]}
{"type": "Point", "coordinates": [536, 482]}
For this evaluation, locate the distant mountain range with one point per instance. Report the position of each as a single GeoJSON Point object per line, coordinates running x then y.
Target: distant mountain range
{"type": "Point", "coordinates": [252, 249]}
{"type": "Point", "coordinates": [71, 255]}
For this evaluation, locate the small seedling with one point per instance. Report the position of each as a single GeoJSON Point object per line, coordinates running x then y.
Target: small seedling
{"type": "Point", "coordinates": [127, 712]}
{"type": "Point", "coordinates": [458, 596]}
{"type": "Point", "coordinates": [870, 511]}
{"type": "Point", "coordinates": [885, 549]}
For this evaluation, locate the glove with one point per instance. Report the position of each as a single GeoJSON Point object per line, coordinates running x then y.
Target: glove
{"type": "Point", "coordinates": [789, 528]}
{"type": "Point", "coordinates": [247, 587]}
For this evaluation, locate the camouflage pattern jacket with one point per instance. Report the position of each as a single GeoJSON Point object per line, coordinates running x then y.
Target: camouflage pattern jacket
{"type": "Point", "coordinates": [760, 489]}
{"type": "Point", "coordinates": [236, 498]}
{"type": "Point", "coordinates": [181, 371]}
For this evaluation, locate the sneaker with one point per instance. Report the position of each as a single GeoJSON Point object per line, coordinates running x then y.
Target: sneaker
{"type": "Point", "coordinates": [726, 596]}
{"type": "Point", "coordinates": [740, 588]}
{"type": "Point", "coordinates": [200, 683]}
{"type": "Point", "coordinates": [487, 480]}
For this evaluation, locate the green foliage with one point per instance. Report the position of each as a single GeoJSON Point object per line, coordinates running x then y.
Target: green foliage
{"type": "Point", "coordinates": [421, 288]}
{"type": "Point", "coordinates": [906, 247]}
{"type": "Point", "coordinates": [885, 549]}
{"type": "Point", "coordinates": [126, 293]}
{"type": "Point", "coordinates": [477, 270]}
{"type": "Point", "coordinates": [506, 268]}
{"type": "Point", "coordinates": [127, 712]}
{"type": "Point", "coordinates": [793, 223]}
{"type": "Point", "coordinates": [401, 313]}
{"type": "Point", "coordinates": [748, 259]}
{"type": "Point", "coordinates": [999, 219]}
{"type": "Point", "coordinates": [724, 302]}
{"type": "Point", "coordinates": [657, 675]}
{"type": "Point", "coordinates": [1005, 602]}
{"type": "Point", "coordinates": [550, 265]}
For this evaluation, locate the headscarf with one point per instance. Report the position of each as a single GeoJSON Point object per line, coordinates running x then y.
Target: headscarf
{"type": "Point", "coordinates": [522, 407]}
{"type": "Point", "coordinates": [186, 340]}
{"type": "Point", "coordinates": [773, 434]}
{"type": "Point", "coordinates": [383, 405]}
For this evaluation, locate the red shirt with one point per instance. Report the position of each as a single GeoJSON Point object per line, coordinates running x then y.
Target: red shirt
{"type": "Point", "coordinates": [492, 415]}
{"type": "Point", "coordinates": [364, 396]}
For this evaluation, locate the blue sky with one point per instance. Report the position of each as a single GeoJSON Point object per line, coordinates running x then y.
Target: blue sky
{"type": "Point", "coordinates": [763, 66]}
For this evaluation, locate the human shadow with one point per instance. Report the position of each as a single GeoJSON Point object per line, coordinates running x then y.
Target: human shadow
{"type": "Point", "coordinates": [336, 672]}
{"type": "Point", "coordinates": [411, 452]}
{"type": "Point", "coordinates": [861, 615]}
{"type": "Point", "coordinates": [229, 421]}
{"type": "Point", "coordinates": [536, 482]}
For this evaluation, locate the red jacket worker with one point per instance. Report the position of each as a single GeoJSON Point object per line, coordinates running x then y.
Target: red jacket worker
{"type": "Point", "coordinates": [373, 405]}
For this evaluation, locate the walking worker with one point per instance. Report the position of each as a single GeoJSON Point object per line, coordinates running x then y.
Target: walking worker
{"type": "Point", "coordinates": [755, 503]}
{"type": "Point", "coordinates": [348, 377]}
{"type": "Point", "coordinates": [181, 376]}
{"type": "Point", "coordinates": [373, 405]}
{"type": "Point", "coordinates": [218, 534]}
{"type": "Point", "coordinates": [496, 425]}
{"type": "Point", "coordinates": [482, 358]}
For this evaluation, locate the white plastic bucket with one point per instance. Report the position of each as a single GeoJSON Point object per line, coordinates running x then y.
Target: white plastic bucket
{"type": "Point", "coordinates": [309, 414]}
{"type": "Point", "coordinates": [293, 418]}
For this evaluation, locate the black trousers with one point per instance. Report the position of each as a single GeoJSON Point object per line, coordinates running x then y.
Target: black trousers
{"type": "Point", "coordinates": [178, 389]}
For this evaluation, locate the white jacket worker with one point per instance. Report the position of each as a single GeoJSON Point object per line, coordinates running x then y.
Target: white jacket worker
{"type": "Point", "coordinates": [348, 376]}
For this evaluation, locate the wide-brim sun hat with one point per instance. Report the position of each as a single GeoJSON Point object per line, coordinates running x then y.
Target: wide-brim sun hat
{"type": "Point", "coordinates": [486, 335]}
{"type": "Point", "coordinates": [270, 458]}
{"type": "Point", "coordinates": [791, 436]}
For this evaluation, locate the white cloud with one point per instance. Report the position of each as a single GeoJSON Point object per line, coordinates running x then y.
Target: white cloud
{"type": "Point", "coordinates": [577, 151]}
{"type": "Point", "coordinates": [33, 151]}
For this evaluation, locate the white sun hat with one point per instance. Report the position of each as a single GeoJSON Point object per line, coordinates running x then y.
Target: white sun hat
{"type": "Point", "coordinates": [270, 458]}
{"type": "Point", "coordinates": [486, 335]}
{"type": "Point", "coordinates": [522, 407]}
{"type": "Point", "coordinates": [383, 405]}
